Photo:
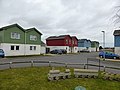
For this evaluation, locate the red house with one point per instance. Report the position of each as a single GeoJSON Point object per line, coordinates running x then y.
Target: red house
{"type": "Point", "coordinates": [74, 41]}
{"type": "Point", "coordinates": [63, 42]}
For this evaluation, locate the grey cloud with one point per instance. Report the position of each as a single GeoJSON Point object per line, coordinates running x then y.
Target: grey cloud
{"type": "Point", "coordinates": [83, 18]}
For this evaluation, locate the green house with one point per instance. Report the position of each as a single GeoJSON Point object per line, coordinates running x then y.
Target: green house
{"type": "Point", "coordinates": [94, 46]}
{"type": "Point", "coordinates": [32, 41]}
{"type": "Point", "coordinates": [12, 34]}
{"type": "Point", "coordinates": [15, 40]}
{"type": "Point", "coordinates": [33, 36]}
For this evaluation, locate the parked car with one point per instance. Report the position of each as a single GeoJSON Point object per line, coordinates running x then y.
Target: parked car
{"type": "Point", "coordinates": [56, 51]}
{"type": "Point", "coordinates": [2, 54]}
{"type": "Point", "coordinates": [85, 50]}
{"type": "Point", "coordinates": [109, 55]}
{"type": "Point", "coordinates": [63, 51]}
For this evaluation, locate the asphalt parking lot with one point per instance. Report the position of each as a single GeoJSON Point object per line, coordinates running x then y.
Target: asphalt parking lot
{"type": "Point", "coordinates": [69, 58]}
{"type": "Point", "coordinates": [72, 58]}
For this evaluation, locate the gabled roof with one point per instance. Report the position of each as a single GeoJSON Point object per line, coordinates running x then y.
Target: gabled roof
{"type": "Point", "coordinates": [63, 36]}
{"type": "Point", "coordinates": [116, 33]}
{"type": "Point", "coordinates": [95, 42]}
{"type": "Point", "coordinates": [82, 40]}
{"type": "Point", "coordinates": [10, 26]}
{"type": "Point", "coordinates": [28, 30]}
{"type": "Point", "coordinates": [89, 40]}
{"type": "Point", "coordinates": [74, 37]}
{"type": "Point", "coordinates": [57, 37]}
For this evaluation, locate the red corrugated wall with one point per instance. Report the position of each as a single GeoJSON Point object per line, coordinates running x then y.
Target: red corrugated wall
{"type": "Point", "coordinates": [62, 42]}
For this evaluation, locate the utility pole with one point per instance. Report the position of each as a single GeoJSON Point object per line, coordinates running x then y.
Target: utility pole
{"type": "Point", "coordinates": [103, 44]}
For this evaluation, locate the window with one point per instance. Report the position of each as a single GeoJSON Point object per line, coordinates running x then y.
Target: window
{"type": "Point", "coordinates": [12, 47]}
{"type": "Point", "coordinates": [15, 35]}
{"type": "Point", "coordinates": [66, 41]}
{"type": "Point", "coordinates": [33, 37]}
{"type": "Point", "coordinates": [34, 47]}
{"type": "Point", "coordinates": [30, 47]}
{"type": "Point", "coordinates": [76, 42]}
{"type": "Point", "coordinates": [17, 47]}
{"type": "Point", "coordinates": [73, 42]}
{"type": "Point", "coordinates": [69, 41]}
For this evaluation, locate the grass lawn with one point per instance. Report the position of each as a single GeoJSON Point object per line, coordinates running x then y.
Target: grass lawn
{"type": "Point", "coordinates": [36, 79]}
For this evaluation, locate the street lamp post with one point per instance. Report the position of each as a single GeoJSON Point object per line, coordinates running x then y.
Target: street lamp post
{"type": "Point", "coordinates": [103, 44]}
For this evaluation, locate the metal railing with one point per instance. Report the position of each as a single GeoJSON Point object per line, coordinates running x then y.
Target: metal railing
{"type": "Point", "coordinates": [33, 63]}
{"type": "Point", "coordinates": [103, 64]}
{"type": "Point", "coordinates": [49, 63]}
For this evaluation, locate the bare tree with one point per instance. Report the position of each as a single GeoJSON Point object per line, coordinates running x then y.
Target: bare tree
{"type": "Point", "coordinates": [116, 17]}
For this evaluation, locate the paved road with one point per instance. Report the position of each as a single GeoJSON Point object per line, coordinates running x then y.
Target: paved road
{"type": "Point", "coordinates": [70, 58]}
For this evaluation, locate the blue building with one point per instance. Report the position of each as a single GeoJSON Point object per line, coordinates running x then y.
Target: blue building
{"type": "Point", "coordinates": [117, 41]}
{"type": "Point", "coordinates": [84, 44]}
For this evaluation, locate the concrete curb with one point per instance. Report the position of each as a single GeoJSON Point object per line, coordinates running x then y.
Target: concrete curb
{"type": "Point", "coordinates": [112, 60]}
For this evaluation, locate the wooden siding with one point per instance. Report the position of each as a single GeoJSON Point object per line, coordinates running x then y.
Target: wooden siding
{"type": "Point", "coordinates": [67, 41]}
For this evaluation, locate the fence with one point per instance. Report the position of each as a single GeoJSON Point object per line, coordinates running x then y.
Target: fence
{"type": "Point", "coordinates": [41, 63]}
{"type": "Point", "coordinates": [104, 65]}
{"type": "Point", "coordinates": [92, 63]}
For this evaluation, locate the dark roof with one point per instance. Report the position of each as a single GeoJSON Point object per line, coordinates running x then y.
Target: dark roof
{"type": "Point", "coordinates": [89, 40]}
{"type": "Point", "coordinates": [57, 37]}
{"type": "Point", "coordinates": [10, 26]}
{"type": "Point", "coordinates": [116, 33]}
{"type": "Point", "coordinates": [62, 35]}
{"type": "Point", "coordinates": [82, 40]}
{"type": "Point", "coordinates": [95, 42]}
{"type": "Point", "coordinates": [28, 30]}
{"type": "Point", "coordinates": [74, 37]}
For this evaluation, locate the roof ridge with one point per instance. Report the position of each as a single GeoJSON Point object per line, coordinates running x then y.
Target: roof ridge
{"type": "Point", "coordinates": [116, 32]}
{"type": "Point", "coordinates": [12, 25]}
{"type": "Point", "coordinates": [29, 29]}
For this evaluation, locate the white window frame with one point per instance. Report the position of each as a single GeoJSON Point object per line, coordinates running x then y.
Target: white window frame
{"type": "Point", "coordinates": [18, 48]}
{"type": "Point", "coordinates": [73, 42]}
{"type": "Point", "coordinates": [33, 37]}
{"type": "Point", "coordinates": [15, 35]}
{"type": "Point", "coordinates": [69, 41]}
{"type": "Point", "coordinates": [66, 41]}
{"type": "Point", "coordinates": [30, 47]}
{"type": "Point", "coordinates": [14, 47]}
{"type": "Point", "coordinates": [33, 48]}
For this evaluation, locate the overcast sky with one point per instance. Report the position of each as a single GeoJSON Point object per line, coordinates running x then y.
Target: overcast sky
{"type": "Point", "coordinates": [81, 18]}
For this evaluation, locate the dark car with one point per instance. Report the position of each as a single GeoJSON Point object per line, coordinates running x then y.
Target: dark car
{"type": "Point", "coordinates": [85, 50]}
{"type": "Point", "coordinates": [108, 55]}
{"type": "Point", "coordinates": [2, 53]}
{"type": "Point", "coordinates": [63, 51]}
{"type": "Point", "coordinates": [56, 51]}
